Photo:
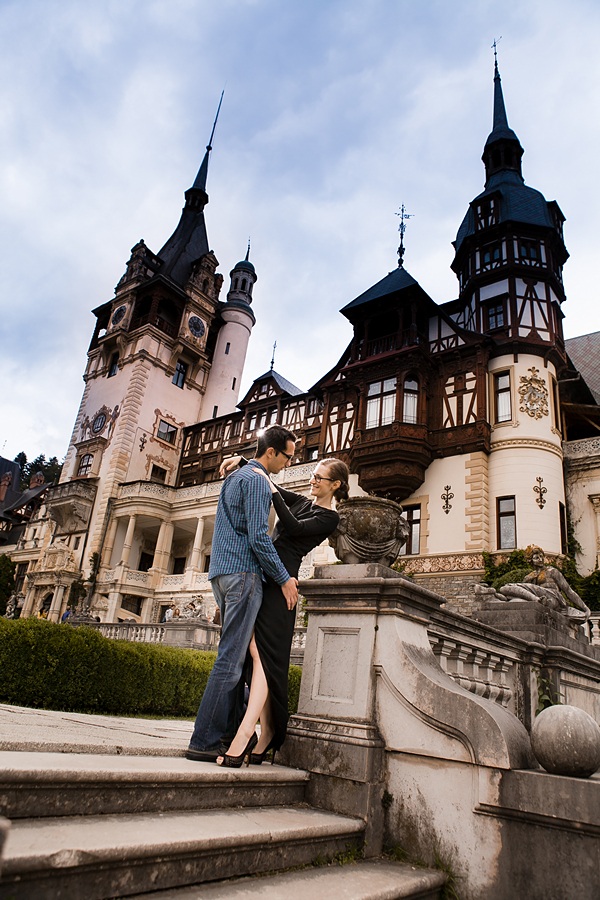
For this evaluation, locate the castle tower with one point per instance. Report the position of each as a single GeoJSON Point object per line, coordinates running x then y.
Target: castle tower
{"type": "Point", "coordinates": [509, 257]}
{"type": "Point", "coordinates": [223, 387]}
{"type": "Point", "coordinates": [147, 371]}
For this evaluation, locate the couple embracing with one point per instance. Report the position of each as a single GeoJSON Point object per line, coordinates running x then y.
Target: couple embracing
{"type": "Point", "coordinates": [254, 581]}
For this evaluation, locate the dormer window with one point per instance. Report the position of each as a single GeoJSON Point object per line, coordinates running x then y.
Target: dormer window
{"type": "Point", "coordinates": [485, 213]}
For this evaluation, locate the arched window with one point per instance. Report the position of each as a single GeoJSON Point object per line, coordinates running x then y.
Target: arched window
{"type": "Point", "coordinates": [244, 284]}
{"type": "Point", "coordinates": [410, 400]}
{"type": "Point", "coordinates": [85, 465]}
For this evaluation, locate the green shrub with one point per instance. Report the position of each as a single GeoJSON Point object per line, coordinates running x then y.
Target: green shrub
{"type": "Point", "coordinates": [50, 666]}
{"type": "Point", "coordinates": [294, 679]}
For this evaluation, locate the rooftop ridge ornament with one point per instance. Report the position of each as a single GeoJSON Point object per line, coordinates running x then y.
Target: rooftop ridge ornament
{"type": "Point", "coordinates": [402, 228]}
{"type": "Point", "coordinates": [273, 357]}
{"type": "Point", "coordinates": [248, 250]}
{"type": "Point", "coordinates": [495, 49]}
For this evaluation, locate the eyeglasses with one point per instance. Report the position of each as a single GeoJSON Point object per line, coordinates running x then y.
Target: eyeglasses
{"type": "Point", "coordinates": [288, 456]}
{"type": "Point", "coordinates": [319, 478]}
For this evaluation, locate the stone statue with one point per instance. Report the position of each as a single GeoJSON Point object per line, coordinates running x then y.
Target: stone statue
{"type": "Point", "coordinates": [546, 584]}
{"type": "Point", "coordinates": [11, 606]}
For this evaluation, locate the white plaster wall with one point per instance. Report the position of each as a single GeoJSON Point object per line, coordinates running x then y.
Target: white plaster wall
{"type": "Point", "coordinates": [446, 530]}
{"type": "Point", "coordinates": [512, 474]}
{"type": "Point", "coordinates": [227, 366]}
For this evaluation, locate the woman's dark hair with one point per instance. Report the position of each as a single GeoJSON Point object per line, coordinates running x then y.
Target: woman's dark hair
{"type": "Point", "coordinates": [338, 470]}
{"type": "Point", "coordinates": [277, 437]}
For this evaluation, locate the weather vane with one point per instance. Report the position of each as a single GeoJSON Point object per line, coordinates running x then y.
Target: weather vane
{"type": "Point", "coordinates": [495, 49]}
{"type": "Point", "coordinates": [273, 357]}
{"type": "Point", "coordinates": [402, 228]}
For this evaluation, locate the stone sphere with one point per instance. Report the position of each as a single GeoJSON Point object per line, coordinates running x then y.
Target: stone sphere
{"type": "Point", "coordinates": [566, 741]}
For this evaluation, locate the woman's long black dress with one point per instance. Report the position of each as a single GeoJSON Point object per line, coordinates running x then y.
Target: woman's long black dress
{"type": "Point", "coordinates": [302, 526]}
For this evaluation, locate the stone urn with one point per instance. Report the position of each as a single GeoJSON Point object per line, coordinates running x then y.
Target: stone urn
{"type": "Point", "coordinates": [371, 529]}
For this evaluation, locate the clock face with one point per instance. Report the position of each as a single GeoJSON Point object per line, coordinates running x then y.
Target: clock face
{"type": "Point", "coordinates": [196, 326]}
{"type": "Point", "coordinates": [98, 423]}
{"type": "Point", "coordinates": [118, 315]}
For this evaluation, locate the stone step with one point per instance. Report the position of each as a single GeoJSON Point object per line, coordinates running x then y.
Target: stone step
{"type": "Point", "coordinates": [97, 857]}
{"type": "Point", "coordinates": [376, 879]}
{"type": "Point", "coordinates": [63, 784]}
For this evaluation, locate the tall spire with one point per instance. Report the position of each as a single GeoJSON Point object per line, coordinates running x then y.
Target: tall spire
{"type": "Point", "coordinates": [189, 241]}
{"type": "Point", "coordinates": [502, 151]}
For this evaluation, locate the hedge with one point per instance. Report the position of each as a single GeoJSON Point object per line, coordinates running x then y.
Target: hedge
{"type": "Point", "coordinates": [75, 669]}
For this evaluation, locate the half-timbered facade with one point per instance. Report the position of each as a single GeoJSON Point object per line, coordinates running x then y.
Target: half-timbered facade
{"type": "Point", "coordinates": [463, 410]}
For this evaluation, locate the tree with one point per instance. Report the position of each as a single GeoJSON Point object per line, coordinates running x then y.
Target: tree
{"type": "Point", "coordinates": [50, 468]}
{"type": "Point", "coordinates": [7, 581]}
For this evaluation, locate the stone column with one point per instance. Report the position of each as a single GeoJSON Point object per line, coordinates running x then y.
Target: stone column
{"type": "Point", "coordinates": [57, 599]}
{"type": "Point", "coordinates": [109, 543]}
{"type": "Point", "coordinates": [114, 602]}
{"type": "Point", "coordinates": [163, 547]}
{"type": "Point", "coordinates": [197, 548]}
{"type": "Point", "coordinates": [128, 541]}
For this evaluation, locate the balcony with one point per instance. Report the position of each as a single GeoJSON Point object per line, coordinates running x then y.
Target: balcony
{"type": "Point", "coordinates": [70, 504]}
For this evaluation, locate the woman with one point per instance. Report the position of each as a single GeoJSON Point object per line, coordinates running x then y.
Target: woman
{"type": "Point", "coordinates": [303, 524]}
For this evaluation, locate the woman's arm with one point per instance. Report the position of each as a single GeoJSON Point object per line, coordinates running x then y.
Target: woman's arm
{"type": "Point", "coordinates": [323, 522]}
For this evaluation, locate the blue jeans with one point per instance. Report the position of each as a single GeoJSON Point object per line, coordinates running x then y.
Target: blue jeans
{"type": "Point", "coordinates": [239, 597]}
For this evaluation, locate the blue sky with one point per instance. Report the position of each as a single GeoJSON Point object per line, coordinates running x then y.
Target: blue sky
{"type": "Point", "coordinates": [335, 113]}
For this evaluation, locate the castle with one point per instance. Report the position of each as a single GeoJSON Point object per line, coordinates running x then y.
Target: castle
{"type": "Point", "coordinates": [470, 412]}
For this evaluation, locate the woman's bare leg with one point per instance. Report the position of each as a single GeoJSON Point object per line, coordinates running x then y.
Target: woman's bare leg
{"type": "Point", "coordinates": [257, 699]}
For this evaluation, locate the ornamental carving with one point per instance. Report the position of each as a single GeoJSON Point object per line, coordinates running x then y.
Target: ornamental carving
{"type": "Point", "coordinates": [371, 529]}
{"type": "Point", "coordinates": [533, 394]}
{"type": "Point", "coordinates": [465, 562]}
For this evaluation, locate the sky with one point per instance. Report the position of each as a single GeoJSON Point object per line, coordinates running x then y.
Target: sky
{"type": "Point", "coordinates": [335, 113]}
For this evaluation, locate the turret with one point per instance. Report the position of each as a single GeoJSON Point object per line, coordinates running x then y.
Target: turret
{"type": "Point", "coordinates": [223, 386]}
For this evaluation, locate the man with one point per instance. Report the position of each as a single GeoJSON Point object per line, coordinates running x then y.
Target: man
{"type": "Point", "coordinates": [241, 551]}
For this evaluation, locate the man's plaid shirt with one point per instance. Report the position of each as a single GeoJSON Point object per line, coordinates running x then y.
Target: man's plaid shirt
{"type": "Point", "coordinates": [241, 541]}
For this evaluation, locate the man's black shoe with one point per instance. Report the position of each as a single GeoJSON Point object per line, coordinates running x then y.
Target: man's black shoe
{"type": "Point", "coordinates": [202, 755]}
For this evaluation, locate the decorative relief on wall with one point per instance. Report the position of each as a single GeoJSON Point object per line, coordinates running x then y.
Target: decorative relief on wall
{"type": "Point", "coordinates": [534, 394]}
{"type": "Point", "coordinates": [447, 497]}
{"type": "Point", "coordinates": [431, 565]}
{"type": "Point", "coordinates": [540, 491]}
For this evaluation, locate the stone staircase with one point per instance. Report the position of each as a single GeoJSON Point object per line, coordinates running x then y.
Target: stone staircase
{"type": "Point", "coordinates": [98, 826]}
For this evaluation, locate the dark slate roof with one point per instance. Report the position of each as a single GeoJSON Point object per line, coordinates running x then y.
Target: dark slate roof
{"type": "Point", "coordinates": [584, 352]}
{"type": "Point", "coordinates": [189, 241]}
{"type": "Point", "coordinates": [396, 281]}
{"type": "Point", "coordinates": [27, 497]}
{"type": "Point", "coordinates": [518, 203]}
{"type": "Point", "coordinates": [282, 382]}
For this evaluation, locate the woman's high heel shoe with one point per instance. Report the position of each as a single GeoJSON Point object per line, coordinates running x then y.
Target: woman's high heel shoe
{"type": "Point", "coordinates": [257, 759]}
{"type": "Point", "coordinates": [235, 762]}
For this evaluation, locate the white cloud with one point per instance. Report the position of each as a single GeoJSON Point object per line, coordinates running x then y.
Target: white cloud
{"type": "Point", "coordinates": [335, 113]}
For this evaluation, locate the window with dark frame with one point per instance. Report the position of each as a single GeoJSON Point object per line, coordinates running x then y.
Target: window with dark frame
{"type": "Point", "coordinates": [410, 401]}
{"type": "Point", "coordinates": [507, 523]}
{"type": "Point", "coordinates": [381, 402]}
{"type": "Point", "coordinates": [166, 432]}
{"type": "Point", "coordinates": [502, 400]}
{"type": "Point", "coordinates": [113, 366]}
{"type": "Point", "coordinates": [495, 316]}
{"type": "Point", "coordinates": [412, 546]}
{"type": "Point", "coordinates": [180, 374]}
{"type": "Point", "coordinates": [85, 465]}
{"type": "Point", "coordinates": [158, 474]}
